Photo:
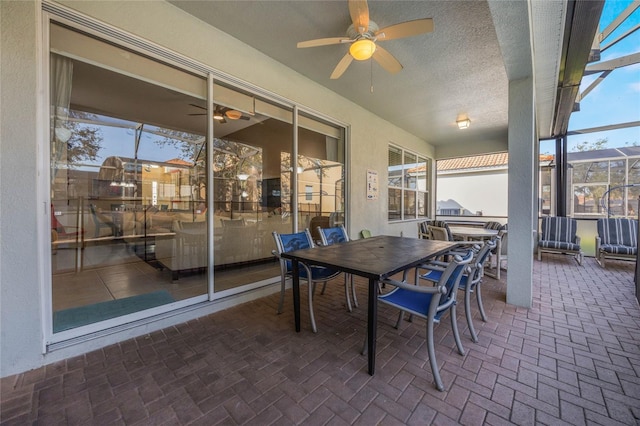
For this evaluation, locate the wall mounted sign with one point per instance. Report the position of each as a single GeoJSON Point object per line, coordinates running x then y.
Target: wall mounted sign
{"type": "Point", "coordinates": [372, 185]}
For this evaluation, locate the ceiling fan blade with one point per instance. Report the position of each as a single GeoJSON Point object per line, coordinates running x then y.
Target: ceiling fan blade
{"type": "Point", "coordinates": [405, 29]}
{"type": "Point", "coordinates": [386, 60]}
{"type": "Point", "coordinates": [359, 11]}
{"type": "Point", "coordinates": [342, 66]}
{"type": "Point", "coordinates": [203, 113]}
{"type": "Point", "coordinates": [197, 106]}
{"type": "Point", "coordinates": [322, 42]}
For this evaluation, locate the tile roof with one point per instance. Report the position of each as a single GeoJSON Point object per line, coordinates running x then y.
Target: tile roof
{"type": "Point", "coordinates": [474, 162]}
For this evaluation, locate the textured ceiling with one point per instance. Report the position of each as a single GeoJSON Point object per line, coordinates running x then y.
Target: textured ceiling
{"type": "Point", "coordinates": [460, 69]}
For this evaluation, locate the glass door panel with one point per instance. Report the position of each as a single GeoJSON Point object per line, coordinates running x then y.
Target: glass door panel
{"type": "Point", "coordinates": [251, 138]}
{"type": "Point", "coordinates": [320, 174]}
{"type": "Point", "coordinates": [128, 182]}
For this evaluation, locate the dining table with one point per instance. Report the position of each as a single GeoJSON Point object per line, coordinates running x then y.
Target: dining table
{"type": "Point", "coordinates": [468, 233]}
{"type": "Point", "coordinates": [373, 258]}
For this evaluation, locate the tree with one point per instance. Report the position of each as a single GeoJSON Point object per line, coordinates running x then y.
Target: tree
{"type": "Point", "coordinates": [83, 141]}
{"type": "Point", "coordinates": [592, 146]}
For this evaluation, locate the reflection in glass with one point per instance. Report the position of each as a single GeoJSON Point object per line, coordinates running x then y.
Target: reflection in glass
{"type": "Point", "coordinates": [128, 185]}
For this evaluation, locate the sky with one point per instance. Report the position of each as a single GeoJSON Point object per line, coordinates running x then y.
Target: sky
{"type": "Point", "coordinates": [617, 98]}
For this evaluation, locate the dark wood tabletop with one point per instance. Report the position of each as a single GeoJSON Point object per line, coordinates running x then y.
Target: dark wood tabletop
{"type": "Point", "coordinates": [374, 258]}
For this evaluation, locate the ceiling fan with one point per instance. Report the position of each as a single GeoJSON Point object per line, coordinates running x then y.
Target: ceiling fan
{"type": "Point", "coordinates": [363, 34]}
{"type": "Point", "coordinates": [221, 113]}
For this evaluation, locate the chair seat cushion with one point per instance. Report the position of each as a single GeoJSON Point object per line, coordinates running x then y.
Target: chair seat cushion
{"type": "Point", "coordinates": [410, 301]}
{"type": "Point", "coordinates": [618, 249]}
{"type": "Point", "coordinates": [559, 245]}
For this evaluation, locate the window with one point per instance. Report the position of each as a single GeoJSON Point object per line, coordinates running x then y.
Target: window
{"type": "Point", "coordinates": [408, 185]}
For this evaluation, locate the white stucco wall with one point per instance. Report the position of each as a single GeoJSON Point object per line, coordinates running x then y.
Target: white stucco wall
{"type": "Point", "coordinates": [24, 277]}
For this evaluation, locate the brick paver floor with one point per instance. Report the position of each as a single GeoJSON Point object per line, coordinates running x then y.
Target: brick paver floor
{"type": "Point", "coordinates": [573, 358]}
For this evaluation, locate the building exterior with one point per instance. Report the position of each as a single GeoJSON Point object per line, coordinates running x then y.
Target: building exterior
{"type": "Point", "coordinates": [132, 79]}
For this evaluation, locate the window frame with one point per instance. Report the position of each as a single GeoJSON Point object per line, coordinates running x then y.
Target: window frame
{"type": "Point", "coordinates": [406, 190]}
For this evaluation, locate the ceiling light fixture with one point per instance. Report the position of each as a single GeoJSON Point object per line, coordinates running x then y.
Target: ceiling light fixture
{"type": "Point", "coordinates": [218, 115]}
{"type": "Point", "coordinates": [362, 49]}
{"type": "Point", "coordinates": [463, 124]}
{"type": "Point", "coordinates": [233, 114]}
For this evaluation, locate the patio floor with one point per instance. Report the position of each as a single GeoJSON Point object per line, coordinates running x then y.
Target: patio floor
{"type": "Point", "coordinates": [573, 358]}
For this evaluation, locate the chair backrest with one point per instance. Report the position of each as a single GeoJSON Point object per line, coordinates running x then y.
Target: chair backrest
{"type": "Point", "coordinates": [618, 231]}
{"type": "Point", "coordinates": [445, 225]}
{"type": "Point", "coordinates": [562, 229]}
{"type": "Point", "coordinates": [334, 235]}
{"type": "Point", "coordinates": [365, 233]}
{"type": "Point", "coordinates": [438, 233]}
{"type": "Point", "coordinates": [477, 268]}
{"type": "Point", "coordinates": [423, 230]}
{"type": "Point", "coordinates": [450, 279]}
{"type": "Point", "coordinates": [496, 226]}
{"type": "Point", "coordinates": [290, 242]}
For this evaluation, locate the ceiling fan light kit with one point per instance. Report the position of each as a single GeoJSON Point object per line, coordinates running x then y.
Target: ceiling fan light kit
{"type": "Point", "coordinates": [363, 34]}
{"type": "Point", "coordinates": [463, 124]}
{"type": "Point", "coordinates": [362, 49]}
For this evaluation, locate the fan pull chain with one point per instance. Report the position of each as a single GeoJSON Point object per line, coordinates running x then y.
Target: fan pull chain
{"type": "Point", "coordinates": [371, 63]}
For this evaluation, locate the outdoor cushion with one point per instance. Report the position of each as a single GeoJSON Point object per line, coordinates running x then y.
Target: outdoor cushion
{"type": "Point", "coordinates": [559, 245]}
{"type": "Point", "coordinates": [618, 249]}
{"type": "Point", "coordinates": [623, 232]}
{"type": "Point", "coordinates": [557, 230]}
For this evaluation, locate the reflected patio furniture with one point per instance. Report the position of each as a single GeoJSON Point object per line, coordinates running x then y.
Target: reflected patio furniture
{"type": "Point", "coordinates": [430, 303]}
{"type": "Point", "coordinates": [616, 239]}
{"type": "Point", "coordinates": [311, 273]}
{"type": "Point", "coordinates": [318, 222]}
{"type": "Point", "coordinates": [102, 221]}
{"type": "Point", "coordinates": [470, 282]}
{"type": "Point", "coordinates": [558, 235]}
{"type": "Point", "coordinates": [184, 250]}
{"type": "Point", "coordinates": [337, 235]}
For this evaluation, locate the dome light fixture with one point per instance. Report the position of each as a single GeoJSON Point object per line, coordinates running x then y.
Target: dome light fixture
{"type": "Point", "coordinates": [362, 49]}
{"type": "Point", "coordinates": [463, 123]}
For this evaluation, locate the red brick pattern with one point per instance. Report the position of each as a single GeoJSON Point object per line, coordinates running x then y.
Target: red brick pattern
{"type": "Point", "coordinates": [573, 358]}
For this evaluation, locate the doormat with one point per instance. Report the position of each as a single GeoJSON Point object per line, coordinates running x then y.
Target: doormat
{"type": "Point", "coordinates": [83, 315]}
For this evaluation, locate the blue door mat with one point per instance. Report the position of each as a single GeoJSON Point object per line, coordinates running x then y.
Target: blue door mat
{"type": "Point", "coordinates": [89, 314]}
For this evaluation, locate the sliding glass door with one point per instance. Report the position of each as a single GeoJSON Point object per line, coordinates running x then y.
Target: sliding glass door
{"type": "Point", "coordinates": [128, 182]}
{"type": "Point", "coordinates": [133, 212]}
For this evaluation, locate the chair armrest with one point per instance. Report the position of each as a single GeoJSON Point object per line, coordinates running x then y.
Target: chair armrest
{"type": "Point", "coordinates": [598, 242]}
{"type": "Point", "coordinates": [416, 288]}
{"type": "Point", "coordinates": [577, 240]}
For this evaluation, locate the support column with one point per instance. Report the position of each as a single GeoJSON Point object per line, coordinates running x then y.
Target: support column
{"type": "Point", "coordinates": [522, 195]}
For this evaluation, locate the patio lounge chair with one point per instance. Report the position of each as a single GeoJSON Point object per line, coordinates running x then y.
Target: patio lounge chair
{"type": "Point", "coordinates": [430, 303]}
{"type": "Point", "coordinates": [617, 239]}
{"type": "Point", "coordinates": [559, 236]}
{"type": "Point", "coordinates": [312, 274]}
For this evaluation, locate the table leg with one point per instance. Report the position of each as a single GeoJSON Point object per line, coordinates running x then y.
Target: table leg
{"type": "Point", "coordinates": [372, 325]}
{"type": "Point", "coordinates": [296, 293]}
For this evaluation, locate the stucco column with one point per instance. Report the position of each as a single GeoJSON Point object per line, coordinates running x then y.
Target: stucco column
{"type": "Point", "coordinates": [522, 195]}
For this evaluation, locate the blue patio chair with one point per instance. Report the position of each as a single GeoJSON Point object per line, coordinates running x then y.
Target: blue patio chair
{"type": "Point", "coordinates": [469, 283]}
{"type": "Point", "coordinates": [312, 274]}
{"type": "Point", "coordinates": [337, 235]}
{"type": "Point", "coordinates": [558, 235]}
{"type": "Point", "coordinates": [617, 239]}
{"type": "Point", "coordinates": [430, 303]}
